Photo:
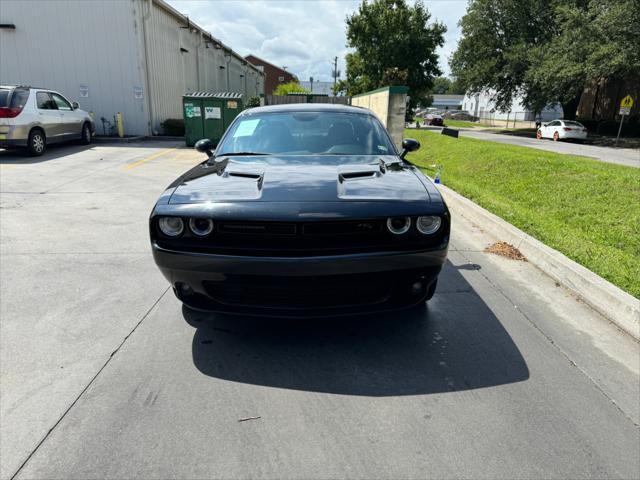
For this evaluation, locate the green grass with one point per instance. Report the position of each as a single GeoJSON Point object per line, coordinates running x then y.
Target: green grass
{"type": "Point", "coordinates": [460, 123]}
{"type": "Point", "coordinates": [451, 123]}
{"type": "Point", "coordinates": [586, 209]}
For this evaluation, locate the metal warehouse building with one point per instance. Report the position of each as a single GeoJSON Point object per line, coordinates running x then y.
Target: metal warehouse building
{"type": "Point", "coordinates": [137, 57]}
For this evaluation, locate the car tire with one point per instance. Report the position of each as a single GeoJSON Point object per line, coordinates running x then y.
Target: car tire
{"type": "Point", "coordinates": [539, 135]}
{"type": "Point", "coordinates": [85, 136]}
{"type": "Point", "coordinates": [556, 136]}
{"type": "Point", "coordinates": [37, 142]}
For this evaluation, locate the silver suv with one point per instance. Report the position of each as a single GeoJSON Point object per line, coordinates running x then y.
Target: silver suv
{"type": "Point", "coordinates": [34, 117]}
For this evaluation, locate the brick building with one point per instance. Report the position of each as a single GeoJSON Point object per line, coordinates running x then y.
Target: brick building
{"type": "Point", "coordinates": [273, 76]}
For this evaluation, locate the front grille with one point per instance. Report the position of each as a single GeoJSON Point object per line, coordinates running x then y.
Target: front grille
{"type": "Point", "coordinates": [292, 239]}
{"type": "Point", "coordinates": [301, 292]}
{"type": "Point", "coordinates": [257, 228]}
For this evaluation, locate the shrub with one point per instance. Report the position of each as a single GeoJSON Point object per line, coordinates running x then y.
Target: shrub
{"type": "Point", "coordinates": [173, 127]}
{"type": "Point", "coordinates": [291, 87]}
{"type": "Point", "coordinates": [253, 102]}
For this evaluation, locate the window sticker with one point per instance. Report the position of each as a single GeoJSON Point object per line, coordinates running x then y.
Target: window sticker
{"type": "Point", "coordinates": [246, 128]}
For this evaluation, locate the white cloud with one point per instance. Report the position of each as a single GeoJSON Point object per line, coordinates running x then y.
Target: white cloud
{"type": "Point", "coordinates": [302, 35]}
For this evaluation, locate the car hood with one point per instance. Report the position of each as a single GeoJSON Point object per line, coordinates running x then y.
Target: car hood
{"type": "Point", "coordinates": [306, 178]}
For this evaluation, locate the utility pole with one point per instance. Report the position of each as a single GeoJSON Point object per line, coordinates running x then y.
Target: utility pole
{"type": "Point", "coordinates": [336, 74]}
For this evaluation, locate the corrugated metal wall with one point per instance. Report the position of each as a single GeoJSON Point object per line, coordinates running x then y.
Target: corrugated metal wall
{"type": "Point", "coordinates": [74, 45]}
{"type": "Point", "coordinates": [183, 60]}
{"type": "Point", "coordinates": [98, 47]}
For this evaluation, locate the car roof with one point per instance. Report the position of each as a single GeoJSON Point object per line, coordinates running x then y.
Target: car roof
{"type": "Point", "coordinates": [308, 107]}
{"type": "Point", "coordinates": [27, 87]}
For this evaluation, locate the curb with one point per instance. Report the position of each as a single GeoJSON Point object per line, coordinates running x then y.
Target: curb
{"type": "Point", "coordinates": [621, 308]}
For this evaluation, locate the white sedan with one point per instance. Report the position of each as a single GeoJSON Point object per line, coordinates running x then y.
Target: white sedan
{"type": "Point", "coordinates": [561, 130]}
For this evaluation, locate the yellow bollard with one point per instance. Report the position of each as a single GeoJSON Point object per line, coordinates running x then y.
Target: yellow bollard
{"type": "Point", "coordinates": [120, 125]}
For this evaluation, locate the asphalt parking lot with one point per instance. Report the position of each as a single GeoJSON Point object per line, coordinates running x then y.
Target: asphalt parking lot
{"type": "Point", "coordinates": [103, 374]}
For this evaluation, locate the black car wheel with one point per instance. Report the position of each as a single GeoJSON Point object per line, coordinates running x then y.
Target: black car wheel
{"type": "Point", "coordinates": [85, 139]}
{"type": "Point", "coordinates": [37, 143]}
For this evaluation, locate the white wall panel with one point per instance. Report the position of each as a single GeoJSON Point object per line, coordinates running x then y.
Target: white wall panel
{"type": "Point", "coordinates": [64, 44]}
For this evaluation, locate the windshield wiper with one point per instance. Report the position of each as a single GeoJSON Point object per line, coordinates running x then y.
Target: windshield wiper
{"type": "Point", "coordinates": [232, 154]}
{"type": "Point", "coordinates": [212, 159]}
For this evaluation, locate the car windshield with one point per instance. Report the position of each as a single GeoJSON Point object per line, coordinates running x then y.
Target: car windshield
{"type": "Point", "coordinates": [306, 133]}
{"type": "Point", "coordinates": [572, 124]}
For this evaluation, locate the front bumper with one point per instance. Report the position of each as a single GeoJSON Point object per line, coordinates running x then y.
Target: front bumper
{"type": "Point", "coordinates": [300, 286]}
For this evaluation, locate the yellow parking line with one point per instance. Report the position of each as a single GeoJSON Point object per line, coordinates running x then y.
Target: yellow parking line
{"type": "Point", "coordinates": [148, 159]}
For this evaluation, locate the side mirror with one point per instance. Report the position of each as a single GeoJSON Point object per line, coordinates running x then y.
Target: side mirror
{"type": "Point", "coordinates": [205, 146]}
{"type": "Point", "coordinates": [409, 145]}
{"type": "Point", "coordinates": [75, 105]}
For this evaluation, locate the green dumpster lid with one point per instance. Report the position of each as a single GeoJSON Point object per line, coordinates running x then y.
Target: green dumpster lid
{"type": "Point", "coordinates": [214, 95]}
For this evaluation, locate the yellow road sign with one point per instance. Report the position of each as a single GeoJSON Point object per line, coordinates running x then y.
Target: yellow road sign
{"type": "Point", "coordinates": [627, 102]}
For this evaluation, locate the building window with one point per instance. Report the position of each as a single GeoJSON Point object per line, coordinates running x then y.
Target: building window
{"type": "Point", "coordinates": [281, 79]}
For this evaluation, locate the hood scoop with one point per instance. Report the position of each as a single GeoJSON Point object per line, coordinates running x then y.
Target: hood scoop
{"type": "Point", "coordinates": [302, 179]}
{"type": "Point", "coordinates": [253, 176]}
{"type": "Point", "coordinates": [364, 172]}
{"type": "Point", "coordinates": [356, 175]}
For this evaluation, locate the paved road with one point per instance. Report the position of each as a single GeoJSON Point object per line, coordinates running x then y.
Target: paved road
{"type": "Point", "coordinates": [621, 156]}
{"type": "Point", "coordinates": [503, 375]}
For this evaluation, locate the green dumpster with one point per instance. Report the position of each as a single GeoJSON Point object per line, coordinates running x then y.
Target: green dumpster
{"type": "Point", "coordinates": [207, 114]}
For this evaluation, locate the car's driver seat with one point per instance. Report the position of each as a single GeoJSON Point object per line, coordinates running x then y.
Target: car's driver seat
{"type": "Point", "coordinates": [275, 137]}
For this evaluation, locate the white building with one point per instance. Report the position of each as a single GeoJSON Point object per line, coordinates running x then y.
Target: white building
{"type": "Point", "coordinates": [137, 57]}
{"type": "Point", "coordinates": [482, 106]}
{"type": "Point", "coordinates": [446, 101]}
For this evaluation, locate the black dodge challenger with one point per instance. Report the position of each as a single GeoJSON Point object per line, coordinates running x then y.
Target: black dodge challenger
{"type": "Point", "coordinates": [302, 210]}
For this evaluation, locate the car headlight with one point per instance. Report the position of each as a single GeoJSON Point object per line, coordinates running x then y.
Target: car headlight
{"type": "Point", "coordinates": [398, 225]}
{"type": "Point", "coordinates": [171, 226]}
{"type": "Point", "coordinates": [428, 224]}
{"type": "Point", "coordinates": [201, 226]}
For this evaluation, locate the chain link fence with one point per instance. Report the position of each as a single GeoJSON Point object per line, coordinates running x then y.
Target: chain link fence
{"type": "Point", "coordinates": [510, 119]}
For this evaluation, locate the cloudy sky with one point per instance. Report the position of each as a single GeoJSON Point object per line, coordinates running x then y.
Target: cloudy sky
{"type": "Point", "coordinates": [304, 35]}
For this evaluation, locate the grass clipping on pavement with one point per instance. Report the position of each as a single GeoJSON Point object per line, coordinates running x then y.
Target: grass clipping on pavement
{"type": "Point", "coordinates": [586, 209]}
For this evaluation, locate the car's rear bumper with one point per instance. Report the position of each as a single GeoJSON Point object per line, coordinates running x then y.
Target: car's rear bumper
{"type": "Point", "coordinates": [11, 143]}
{"type": "Point", "coordinates": [13, 136]}
{"type": "Point", "coordinates": [573, 135]}
{"type": "Point", "coordinates": [300, 287]}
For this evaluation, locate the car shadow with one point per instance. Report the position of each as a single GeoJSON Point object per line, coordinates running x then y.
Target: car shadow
{"type": "Point", "coordinates": [454, 343]}
{"type": "Point", "coordinates": [20, 156]}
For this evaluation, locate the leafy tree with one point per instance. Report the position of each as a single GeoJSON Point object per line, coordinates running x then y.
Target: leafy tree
{"type": "Point", "coordinates": [441, 85]}
{"type": "Point", "coordinates": [444, 85]}
{"type": "Point", "coordinates": [546, 50]}
{"type": "Point", "coordinates": [495, 47]}
{"type": "Point", "coordinates": [291, 87]}
{"type": "Point", "coordinates": [394, 44]}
